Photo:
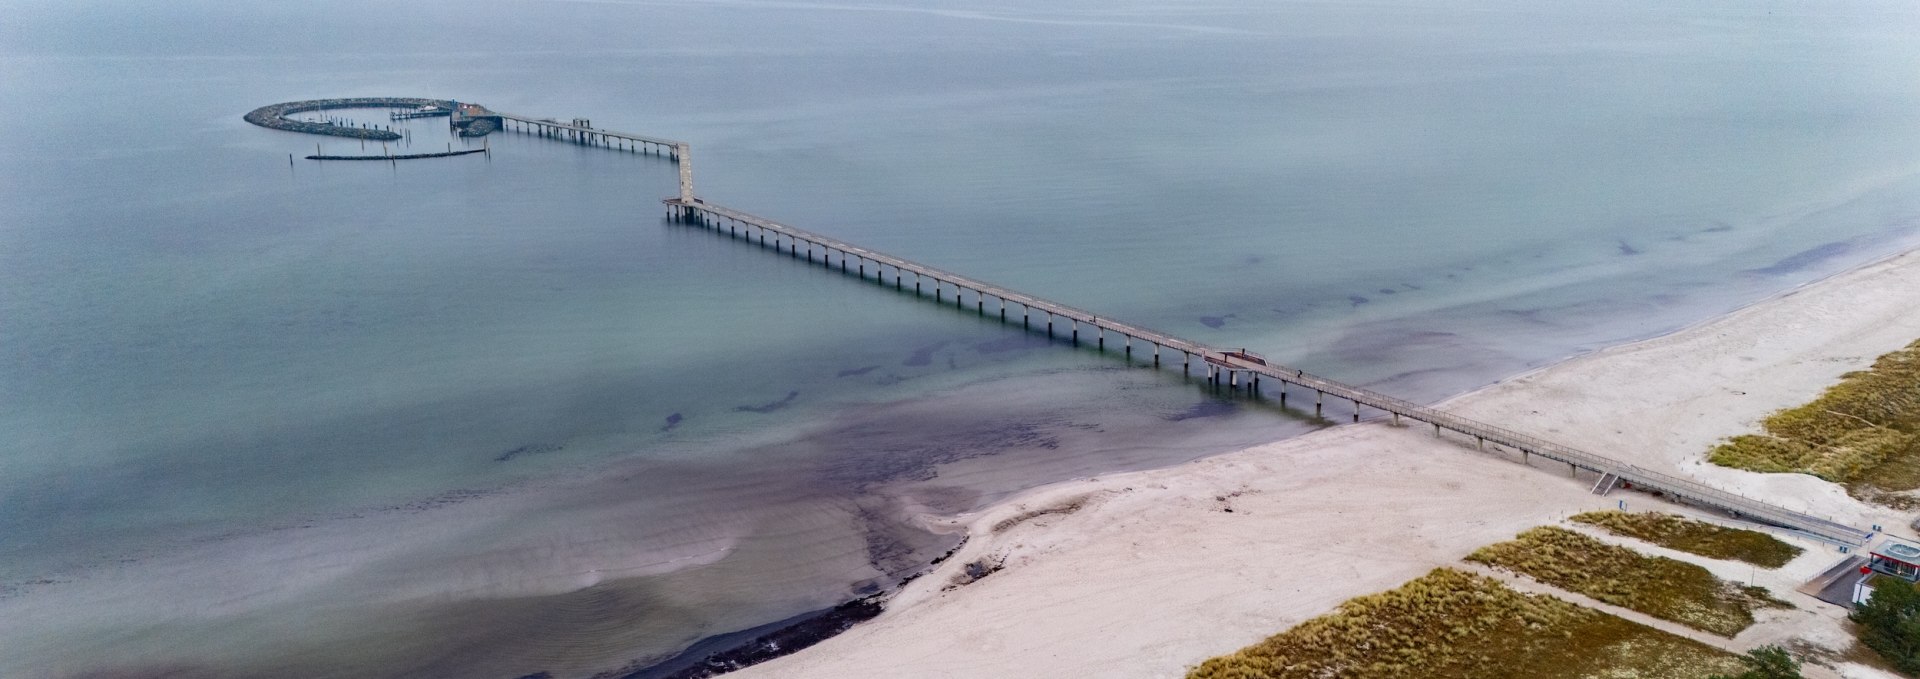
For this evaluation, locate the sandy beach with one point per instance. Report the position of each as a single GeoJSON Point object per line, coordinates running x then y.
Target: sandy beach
{"type": "Point", "coordinates": [1146, 574]}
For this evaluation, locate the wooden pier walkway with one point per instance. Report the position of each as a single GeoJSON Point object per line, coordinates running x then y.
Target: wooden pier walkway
{"type": "Point", "coordinates": [1236, 369]}
{"type": "Point", "coordinates": [582, 132]}
{"type": "Point", "coordinates": [1233, 368]}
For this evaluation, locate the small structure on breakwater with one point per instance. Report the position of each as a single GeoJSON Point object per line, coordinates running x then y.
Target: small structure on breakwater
{"type": "Point", "coordinates": [474, 120]}
{"type": "Point", "coordinates": [275, 115]}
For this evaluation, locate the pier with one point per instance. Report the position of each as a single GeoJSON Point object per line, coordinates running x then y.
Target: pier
{"type": "Point", "coordinates": [1234, 369]}
{"type": "Point", "coordinates": [581, 131]}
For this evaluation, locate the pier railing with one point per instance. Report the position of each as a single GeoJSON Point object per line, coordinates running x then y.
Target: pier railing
{"type": "Point", "coordinates": [1222, 366]}
{"type": "Point", "coordinates": [1230, 366]}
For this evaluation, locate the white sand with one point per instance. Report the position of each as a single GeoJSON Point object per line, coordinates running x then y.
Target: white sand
{"type": "Point", "coordinates": [1151, 575]}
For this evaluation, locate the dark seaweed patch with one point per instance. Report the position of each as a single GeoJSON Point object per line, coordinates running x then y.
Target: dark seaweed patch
{"type": "Point", "coordinates": [924, 355]}
{"type": "Point", "coordinates": [534, 449]}
{"type": "Point", "coordinates": [856, 372]}
{"type": "Point", "coordinates": [770, 406]}
{"type": "Point", "coordinates": [1357, 300]}
{"type": "Point", "coordinates": [1010, 343]}
{"type": "Point", "coordinates": [787, 637]}
{"type": "Point", "coordinates": [1805, 258]}
{"type": "Point", "coordinates": [1203, 409]}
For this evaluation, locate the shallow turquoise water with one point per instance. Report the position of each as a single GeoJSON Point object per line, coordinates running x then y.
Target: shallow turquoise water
{"type": "Point", "coordinates": [290, 412]}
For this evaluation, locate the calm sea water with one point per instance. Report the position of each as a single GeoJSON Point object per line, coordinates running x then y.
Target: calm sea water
{"type": "Point", "coordinates": [488, 416]}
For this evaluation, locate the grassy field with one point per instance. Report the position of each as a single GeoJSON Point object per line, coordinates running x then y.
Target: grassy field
{"type": "Point", "coordinates": [1863, 433]}
{"type": "Point", "coordinates": [1450, 624]}
{"type": "Point", "coordinates": [1658, 586]}
{"type": "Point", "coordinates": [1695, 537]}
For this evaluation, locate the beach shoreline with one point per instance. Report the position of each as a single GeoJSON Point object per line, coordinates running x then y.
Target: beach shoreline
{"type": "Point", "coordinates": [1148, 573]}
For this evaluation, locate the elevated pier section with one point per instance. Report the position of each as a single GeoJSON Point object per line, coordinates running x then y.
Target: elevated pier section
{"type": "Point", "coordinates": [581, 131]}
{"type": "Point", "coordinates": [1235, 369]}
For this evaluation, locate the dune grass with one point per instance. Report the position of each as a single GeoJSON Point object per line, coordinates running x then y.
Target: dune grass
{"type": "Point", "coordinates": [1451, 624]}
{"type": "Point", "coordinates": [1695, 537]}
{"type": "Point", "coordinates": [1863, 433]}
{"type": "Point", "coordinates": [1658, 586]}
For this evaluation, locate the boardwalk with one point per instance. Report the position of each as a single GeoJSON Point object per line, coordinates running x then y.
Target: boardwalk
{"type": "Point", "coordinates": [1231, 367]}
{"type": "Point", "coordinates": [581, 132]}
{"type": "Point", "coordinates": [1236, 369]}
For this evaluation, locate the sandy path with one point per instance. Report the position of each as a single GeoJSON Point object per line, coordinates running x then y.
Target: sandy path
{"type": "Point", "coordinates": [1151, 574]}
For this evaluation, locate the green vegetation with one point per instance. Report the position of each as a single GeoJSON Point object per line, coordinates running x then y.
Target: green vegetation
{"type": "Point", "coordinates": [1450, 624]}
{"type": "Point", "coordinates": [1767, 662]}
{"type": "Point", "coordinates": [1695, 537]}
{"type": "Point", "coordinates": [1863, 433]}
{"type": "Point", "coordinates": [1889, 623]}
{"type": "Point", "coordinates": [1657, 586]}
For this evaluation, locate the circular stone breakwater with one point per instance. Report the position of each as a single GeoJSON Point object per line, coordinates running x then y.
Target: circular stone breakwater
{"type": "Point", "coordinates": [275, 115]}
